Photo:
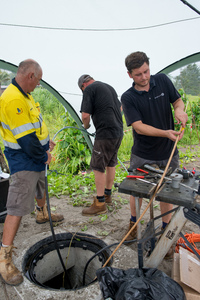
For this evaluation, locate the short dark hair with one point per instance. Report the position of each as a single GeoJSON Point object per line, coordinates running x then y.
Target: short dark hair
{"type": "Point", "coordinates": [135, 60]}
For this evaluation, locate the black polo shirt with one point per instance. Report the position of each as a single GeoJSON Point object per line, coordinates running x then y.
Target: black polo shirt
{"type": "Point", "coordinates": [101, 102]}
{"type": "Point", "coordinates": [152, 108]}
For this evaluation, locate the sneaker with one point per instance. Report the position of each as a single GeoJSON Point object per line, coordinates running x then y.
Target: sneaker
{"type": "Point", "coordinates": [97, 208]}
{"type": "Point", "coordinates": [108, 198]}
{"type": "Point", "coordinates": [133, 233]}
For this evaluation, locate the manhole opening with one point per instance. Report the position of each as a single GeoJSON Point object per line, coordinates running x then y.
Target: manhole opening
{"type": "Point", "coordinates": [41, 264]}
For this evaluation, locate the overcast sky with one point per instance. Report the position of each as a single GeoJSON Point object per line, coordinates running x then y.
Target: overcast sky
{"type": "Point", "coordinates": [67, 54]}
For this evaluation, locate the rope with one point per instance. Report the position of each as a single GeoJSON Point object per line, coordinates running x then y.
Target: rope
{"type": "Point", "coordinates": [192, 239]}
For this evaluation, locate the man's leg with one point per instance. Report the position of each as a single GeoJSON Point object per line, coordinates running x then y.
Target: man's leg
{"type": "Point", "coordinates": [10, 229]}
{"type": "Point", "coordinates": [110, 176]}
{"type": "Point", "coordinates": [133, 233]}
{"type": "Point", "coordinates": [165, 207]}
{"type": "Point", "coordinates": [100, 181]}
{"type": "Point", "coordinates": [99, 205]}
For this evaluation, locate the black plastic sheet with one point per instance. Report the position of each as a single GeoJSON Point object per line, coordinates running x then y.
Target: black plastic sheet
{"type": "Point", "coordinates": [139, 284]}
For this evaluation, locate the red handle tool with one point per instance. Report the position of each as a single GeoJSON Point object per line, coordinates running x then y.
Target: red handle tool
{"type": "Point", "coordinates": [143, 171]}
{"type": "Point", "coordinates": [135, 176]}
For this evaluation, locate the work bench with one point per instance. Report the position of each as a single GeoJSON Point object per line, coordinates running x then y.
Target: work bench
{"type": "Point", "coordinates": [184, 197]}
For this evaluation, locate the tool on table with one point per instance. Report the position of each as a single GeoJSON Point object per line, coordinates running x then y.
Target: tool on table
{"type": "Point", "coordinates": [186, 174]}
{"type": "Point", "coordinates": [151, 168]}
{"type": "Point", "coordinates": [180, 183]}
{"type": "Point", "coordinates": [141, 176]}
{"type": "Point", "coordinates": [146, 176]}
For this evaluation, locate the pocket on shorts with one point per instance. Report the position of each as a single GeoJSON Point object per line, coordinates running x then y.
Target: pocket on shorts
{"type": "Point", "coordinates": [17, 195]}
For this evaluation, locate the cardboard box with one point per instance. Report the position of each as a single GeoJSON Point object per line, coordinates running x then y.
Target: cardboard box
{"type": "Point", "coordinates": [181, 263]}
{"type": "Point", "coordinates": [189, 269]}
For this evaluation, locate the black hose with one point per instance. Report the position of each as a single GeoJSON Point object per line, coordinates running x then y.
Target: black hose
{"type": "Point", "coordinates": [97, 253]}
{"type": "Point", "coordinates": [49, 213]}
{"type": "Point", "coordinates": [73, 127]}
{"type": "Point", "coordinates": [49, 209]}
{"type": "Point", "coordinates": [52, 230]}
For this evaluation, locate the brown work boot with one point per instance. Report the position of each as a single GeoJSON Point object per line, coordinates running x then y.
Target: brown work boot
{"type": "Point", "coordinates": [133, 233]}
{"type": "Point", "coordinates": [108, 199]}
{"type": "Point", "coordinates": [43, 216]}
{"type": "Point", "coordinates": [10, 274]}
{"type": "Point", "coordinates": [97, 208]}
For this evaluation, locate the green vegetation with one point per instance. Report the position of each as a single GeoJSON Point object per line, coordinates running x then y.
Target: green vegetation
{"type": "Point", "coordinates": [69, 172]}
{"type": "Point", "coordinates": [189, 80]}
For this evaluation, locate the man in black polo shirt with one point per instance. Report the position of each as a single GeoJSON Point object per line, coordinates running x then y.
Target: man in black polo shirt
{"type": "Point", "coordinates": [100, 102]}
{"type": "Point", "coordinates": [147, 109]}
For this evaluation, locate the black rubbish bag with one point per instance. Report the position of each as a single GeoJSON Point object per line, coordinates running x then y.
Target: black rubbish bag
{"type": "Point", "coordinates": [139, 284]}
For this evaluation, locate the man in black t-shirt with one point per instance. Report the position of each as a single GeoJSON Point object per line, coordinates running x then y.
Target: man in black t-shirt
{"type": "Point", "coordinates": [147, 108]}
{"type": "Point", "coordinates": [100, 102]}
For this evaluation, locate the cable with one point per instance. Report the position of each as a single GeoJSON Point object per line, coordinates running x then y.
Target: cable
{"type": "Point", "coordinates": [66, 127]}
{"type": "Point", "coordinates": [97, 253]}
{"type": "Point", "coordinates": [49, 210]}
{"type": "Point", "coordinates": [101, 29]}
{"type": "Point", "coordinates": [192, 7]}
{"type": "Point", "coordinates": [52, 230]}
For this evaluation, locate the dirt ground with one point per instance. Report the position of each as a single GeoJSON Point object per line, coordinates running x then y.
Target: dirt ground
{"type": "Point", "coordinates": [110, 230]}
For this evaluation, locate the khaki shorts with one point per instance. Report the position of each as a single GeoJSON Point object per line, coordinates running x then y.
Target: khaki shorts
{"type": "Point", "coordinates": [24, 187]}
{"type": "Point", "coordinates": [104, 154]}
{"type": "Point", "coordinates": [138, 162]}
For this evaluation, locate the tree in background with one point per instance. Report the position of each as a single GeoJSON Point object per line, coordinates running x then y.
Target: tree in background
{"type": "Point", "coordinates": [4, 77]}
{"type": "Point", "coordinates": [189, 80]}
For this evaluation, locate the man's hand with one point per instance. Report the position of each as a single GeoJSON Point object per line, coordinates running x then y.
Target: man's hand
{"type": "Point", "coordinates": [181, 117]}
{"type": "Point", "coordinates": [172, 134]}
{"type": "Point", "coordinates": [49, 158]}
{"type": "Point", "coordinates": [179, 113]}
{"type": "Point", "coordinates": [51, 145]}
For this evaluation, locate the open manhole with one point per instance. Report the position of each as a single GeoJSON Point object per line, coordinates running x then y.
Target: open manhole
{"type": "Point", "coordinates": [82, 255]}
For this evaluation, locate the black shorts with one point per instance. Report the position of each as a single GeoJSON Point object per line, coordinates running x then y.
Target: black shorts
{"type": "Point", "coordinates": [104, 154]}
{"type": "Point", "coordinates": [138, 162]}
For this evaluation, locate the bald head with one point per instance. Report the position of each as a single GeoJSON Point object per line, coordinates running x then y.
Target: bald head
{"type": "Point", "coordinates": [29, 74]}
{"type": "Point", "coordinates": [27, 66]}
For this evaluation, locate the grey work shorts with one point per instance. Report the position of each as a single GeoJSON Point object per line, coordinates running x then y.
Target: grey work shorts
{"type": "Point", "coordinates": [138, 162]}
{"type": "Point", "coordinates": [104, 154]}
{"type": "Point", "coordinates": [24, 187]}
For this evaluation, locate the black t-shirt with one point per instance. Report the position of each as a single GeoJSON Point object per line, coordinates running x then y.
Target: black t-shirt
{"type": "Point", "coordinates": [152, 108]}
{"type": "Point", "coordinates": [101, 102]}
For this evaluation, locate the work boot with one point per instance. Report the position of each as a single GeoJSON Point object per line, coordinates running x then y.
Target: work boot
{"type": "Point", "coordinates": [108, 199]}
{"type": "Point", "coordinates": [10, 274]}
{"type": "Point", "coordinates": [133, 233]}
{"type": "Point", "coordinates": [97, 208]}
{"type": "Point", "coordinates": [43, 216]}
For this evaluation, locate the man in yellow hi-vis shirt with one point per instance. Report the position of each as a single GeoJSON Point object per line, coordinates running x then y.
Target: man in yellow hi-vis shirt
{"type": "Point", "coordinates": [26, 140]}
